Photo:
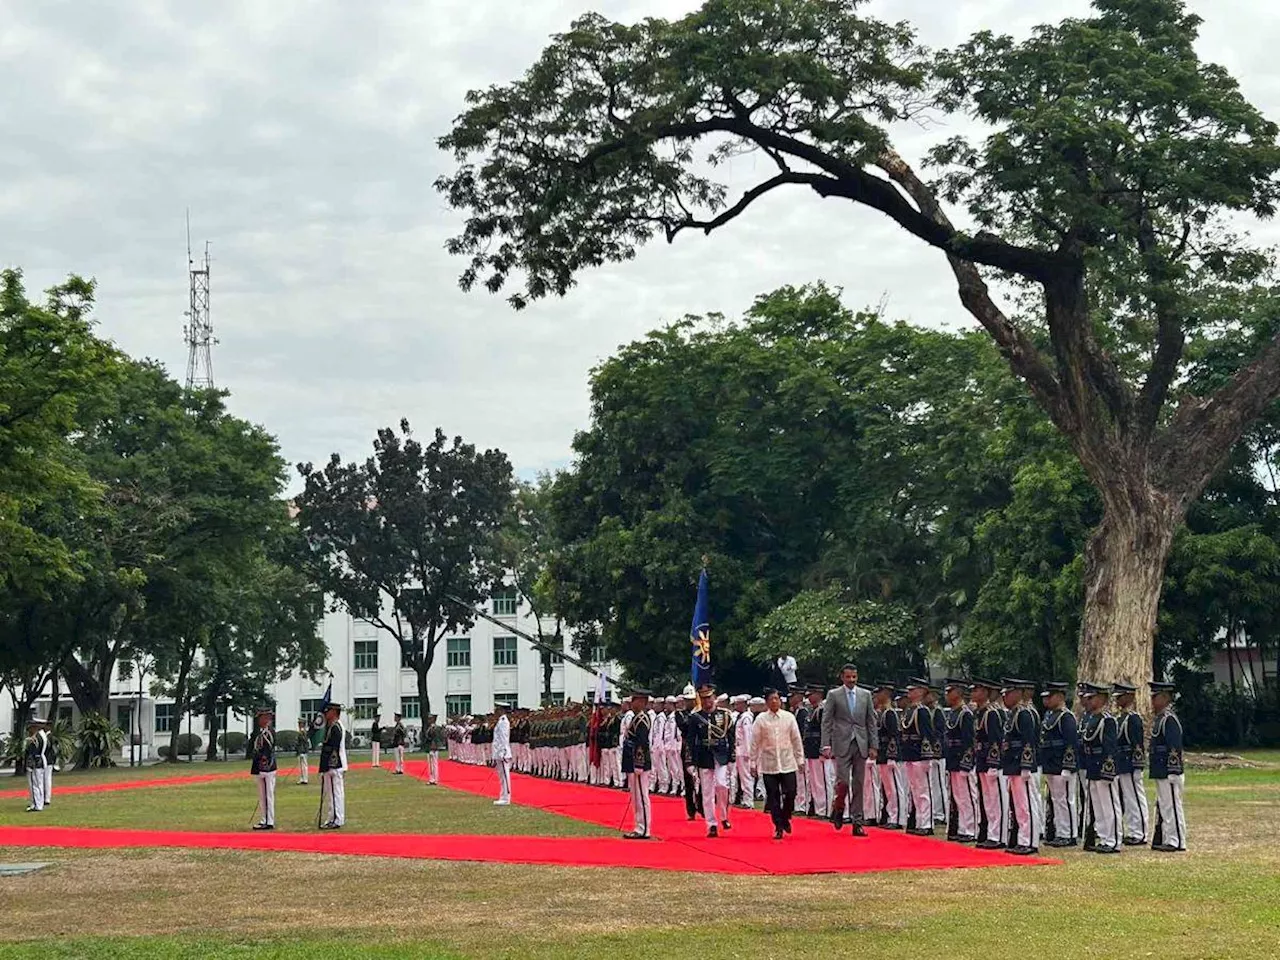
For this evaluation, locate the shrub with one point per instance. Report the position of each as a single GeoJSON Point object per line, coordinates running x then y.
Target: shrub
{"type": "Point", "coordinates": [96, 740]}
{"type": "Point", "coordinates": [232, 742]}
{"type": "Point", "coordinates": [286, 741]}
{"type": "Point", "coordinates": [189, 744]}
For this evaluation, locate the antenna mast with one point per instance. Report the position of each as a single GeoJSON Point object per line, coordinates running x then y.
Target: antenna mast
{"type": "Point", "coordinates": [199, 328]}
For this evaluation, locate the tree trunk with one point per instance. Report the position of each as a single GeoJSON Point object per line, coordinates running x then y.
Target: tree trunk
{"type": "Point", "coordinates": [211, 724]}
{"type": "Point", "coordinates": [54, 696]}
{"type": "Point", "coordinates": [1124, 573]}
{"type": "Point", "coordinates": [179, 704]}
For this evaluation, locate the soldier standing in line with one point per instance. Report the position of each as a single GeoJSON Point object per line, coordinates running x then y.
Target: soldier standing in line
{"type": "Point", "coordinates": [33, 760]}
{"type": "Point", "coordinates": [1170, 834]}
{"type": "Point", "coordinates": [795, 703]}
{"type": "Point", "coordinates": [375, 743]}
{"type": "Point", "coordinates": [398, 737]}
{"type": "Point", "coordinates": [684, 712]}
{"type": "Point", "coordinates": [939, 792]}
{"type": "Point", "coordinates": [303, 748]}
{"type": "Point", "coordinates": [1059, 756]}
{"type": "Point", "coordinates": [50, 750]}
{"type": "Point", "coordinates": [743, 781]}
{"type": "Point", "coordinates": [1131, 763]}
{"type": "Point", "coordinates": [988, 745]}
{"type": "Point", "coordinates": [887, 759]}
{"type": "Point", "coordinates": [637, 762]}
{"type": "Point", "coordinates": [958, 757]}
{"type": "Point", "coordinates": [915, 747]}
{"type": "Point", "coordinates": [263, 767]}
{"type": "Point", "coordinates": [1098, 748]}
{"type": "Point", "coordinates": [333, 769]}
{"type": "Point", "coordinates": [1020, 757]}
{"type": "Point", "coordinates": [819, 773]}
{"type": "Point", "coordinates": [433, 739]}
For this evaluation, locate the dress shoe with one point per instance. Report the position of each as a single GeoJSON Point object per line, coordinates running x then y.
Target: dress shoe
{"type": "Point", "coordinates": [1168, 848]}
{"type": "Point", "coordinates": [1133, 842]}
{"type": "Point", "coordinates": [777, 834]}
{"type": "Point", "coordinates": [858, 831]}
{"type": "Point", "coordinates": [712, 833]}
{"type": "Point", "coordinates": [1102, 849]}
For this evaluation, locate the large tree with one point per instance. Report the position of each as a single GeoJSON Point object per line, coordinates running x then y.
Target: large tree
{"type": "Point", "coordinates": [400, 539]}
{"type": "Point", "coordinates": [1114, 158]}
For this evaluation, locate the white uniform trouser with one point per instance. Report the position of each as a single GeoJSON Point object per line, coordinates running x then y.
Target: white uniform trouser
{"type": "Point", "coordinates": [746, 782]}
{"type": "Point", "coordinates": [887, 778]}
{"type": "Point", "coordinates": [333, 783]}
{"type": "Point", "coordinates": [871, 792]}
{"type": "Point", "coordinates": [267, 797]}
{"type": "Point", "coordinates": [964, 801]}
{"type": "Point", "coordinates": [35, 787]}
{"type": "Point", "coordinates": [1062, 796]}
{"type": "Point", "coordinates": [918, 777]}
{"type": "Point", "coordinates": [48, 784]}
{"type": "Point", "coordinates": [1022, 804]}
{"type": "Point", "coordinates": [661, 779]}
{"type": "Point", "coordinates": [994, 793]}
{"type": "Point", "coordinates": [1104, 807]}
{"type": "Point", "coordinates": [802, 787]}
{"type": "Point", "coordinates": [1037, 809]}
{"type": "Point", "coordinates": [1133, 799]}
{"type": "Point", "coordinates": [376, 747]}
{"type": "Point", "coordinates": [938, 790]}
{"type": "Point", "coordinates": [503, 767]}
{"type": "Point", "coordinates": [433, 766]}
{"type": "Point", "coordinates": [821, 786]}
{"type": "Point", "coordinates": [642, 814]}
{"type": "Point", "coordinates": [304, 770]}
{"type": "Point", "coordinates": [1172, 820]}
{"type": "Point", "coordinates": [399, 759]}
{"type": "Point", "coordinates": [715, 794]}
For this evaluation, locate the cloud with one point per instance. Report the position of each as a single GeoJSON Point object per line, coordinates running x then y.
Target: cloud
{"type": "Point", "coordinates": [302, 137]}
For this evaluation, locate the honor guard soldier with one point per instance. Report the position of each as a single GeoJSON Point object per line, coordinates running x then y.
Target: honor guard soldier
{"type": "Point", "coordinates": [1019, 759]}
{"type": "Point", "coordinates": [1131, 763]}
{"type": "Point", "coordinates": [1170, 833]}
{"type": "Point", "coordinates": [434, 740]}
{"type": "Point", "coordinates": [637, 762]}
{"type": "Point", "coordinates": [375, 742]}
{"type": "Point", "coordinates": [815, 767]}
{"type": "Point", "coordinates": [689, 781]}
{"type": "Point", "coordinates": [891, 816]}
{"type": "Point", "coordinates": [303, 748]}
{"type": "Point", "coordinates": [957, 753]}
{"type": "Point", "coordinates": [501, 754]}
{"type": "Point", "coordinates": [1059, 757]}
{"type": "Point", "coordinates": [50, 749]}
{"type": "Point", "coordinates": [795, 702]}
{"type": "Point", "coordinates": [398, 737]}
{"type": "Point", "coordinates": [33, 760]}
{"type": "Point", "coordinates": [1098, 747]}
{"type": "Point", "coordinates": [915, 747]}
{"type": "Point", "coordinates": [710, 742]}
{"type": "Point", "coordinates": [744, 782]}
{"type": "Point", "coordinates": [988, 746]}
{"type": "Point", "coordinates": [333, 769]}
{"type": "Point", "coordinates": [263, 767]}
{"type": "Point", "coordinates": [939, 790]}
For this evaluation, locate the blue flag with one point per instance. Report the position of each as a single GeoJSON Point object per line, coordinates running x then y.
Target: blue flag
{"type": "Point", "coordinates": [327, 698]}
{"type": "Point", "coordinates": [700, 636]}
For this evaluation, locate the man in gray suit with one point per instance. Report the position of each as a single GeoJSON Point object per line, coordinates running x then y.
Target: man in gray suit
{"type": "Point", "coordinates": [850, 734]}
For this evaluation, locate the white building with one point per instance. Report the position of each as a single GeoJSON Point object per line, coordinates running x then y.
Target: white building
{"type": "Point", "coordinates": [472, 671]}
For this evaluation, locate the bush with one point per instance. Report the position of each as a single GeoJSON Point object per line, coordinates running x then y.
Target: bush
{"type": "Point", "coordinates": [189, 744]}
{"type": "Point", "coordinates": [286, 741]}
{"type": "Point", "coordinates": [1214, 717]}
{"type": "Point", "coordinates": [96, 740]}
{"type": "Point", "coordinates": [232, 741]}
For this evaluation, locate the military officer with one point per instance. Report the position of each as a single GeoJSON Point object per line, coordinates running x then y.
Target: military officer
{"type": "Point", "coordinates": [887, 757]}
{"type": "Point", "coordinates": [915, 747]}
{"type": "Point", "coordinates": [939, 790]}
{"type": "Point", "coordinates": [816, 769]}
{"type": "Point", "coordinates": [1059, 756]}
{"type": "Point", "coordinates": [263, 767]}
{"type": "Point", "coordinates": [33, 758]}
{"type": "Point", "coordinates": [689, 780]}
{"type": "Point", "coordinates": [988, 745]}
{"type": "Point", "coordinates": [501, 753]}
{"type": "Point", "coordinates": [375, 742]}
{"type": "Point", "coordinates": [333, 769]}
{"type": "Point", "coordinates": [710, 748]}
{"type": "Point", "coordinates": [398, 737]}
{"type": "Point", "coordinates": [795, 703]}
{"type": "Point", "coordinates": [744, 782]}
{"type": "Point", "coordinates": [1131, 762]}
{"type": "Point", "coordinates": [1098, 747]}
{"type": "Point", "coordinates": [637, 762]}
{"type": "Point", "coordinates": [50, 749]}
{"type": "Point", "coordinates": [1019, 758]}
{"type": "Point", "coordinates": [957, 750]}
{"type": "Point", "coordinates": [1170, 833]}
{"type": "Point", "coordinates": [433, 738]}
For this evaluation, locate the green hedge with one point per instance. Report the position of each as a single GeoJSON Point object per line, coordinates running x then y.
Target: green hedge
{"type": "Point", "coordinates": [286, 741]}
{"type": "Point", "coordinates": [188, 744]}
{"type": "Point", "coordinates": [232, 742]}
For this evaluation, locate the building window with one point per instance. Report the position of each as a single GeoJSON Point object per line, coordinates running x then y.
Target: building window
{"type": "Point", "coordinates": [457, 705]}
{"type": "Point", "coordinates": [554, 658]}
{"type": "Point", "coordinates": [309, 708]}
{"type": "Point", "coordinates": [504, 651]}
{"type": "Point", "coordinates": [505, 602]}
{"type": "Point", "coordinates": [366, 654]}
{"type": "Point", "coordinates": [124, 717]}
{"type": "Point", "coordinates": [597, 655]}
{"type": "Point", "coordinates": [555, 700]}
{"type": "Point", "coordinates": [458, 652]}
{"type": "Point", "coordinates": [411, 708]}
{"type": "Point", "coordinates": [164, 717]}
{"type": "Point", "coordinates": [507, 700]}
{"type": "Point", "coordinates": [365, 708]}
{"type": "Point", "coordinates": [64, 713]}
{"type": "Point", "coordinates": [406, 659]}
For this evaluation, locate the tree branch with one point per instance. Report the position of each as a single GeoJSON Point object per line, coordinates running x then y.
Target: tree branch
{"type": "Point", "coordinates": [748, 198]}
{"type": "Point", "coordinates": [1170, 339]}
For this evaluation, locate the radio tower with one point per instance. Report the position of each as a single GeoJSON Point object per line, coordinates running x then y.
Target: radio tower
{"type": "Point", "coordinates": [199, 329]}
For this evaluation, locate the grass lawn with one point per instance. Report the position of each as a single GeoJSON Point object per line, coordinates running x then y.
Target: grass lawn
{"type": "Point", "coordinates": [1222, 899]}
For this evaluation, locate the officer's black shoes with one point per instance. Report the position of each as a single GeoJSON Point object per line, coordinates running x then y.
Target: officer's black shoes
{"type": "Point", "coordinates": [1021, 851]}
{"type": "Point", "coordinates": [264, 826]}
{"type": "Point", "coordinates": [891, 826]}
{"type": "Point", "coordinates": [712, 833]}
{"type": "Point", "coordinates": [965, 838]}
{"type": "Point", "coordinates": [1168, 848]}
{"type": "Point", "coordinates": [1061, 843]}
{"type": "Point", "coordinates": [330, 826]}
{"type": "Point", "coordinates": [989, 845]}
{"type": "Point", "coordinates": [777, 834]}
{"type": "Point", "coordinates": [922, 832]}
{"type": "Point", "coordinates": [858, 831]}
{"type": "Point", "coordinates": [726, 825]}
{"type": "Point", "coordinates": [1133, 842]}
{"type": "Point", "coordinates": [634, 836]}
{"type": "Point", "coordinates": [838, 822]}
{"type": "Point", "coordinates": [1102, 849]}
{"type": "Point", "coordinates": [787, 826]}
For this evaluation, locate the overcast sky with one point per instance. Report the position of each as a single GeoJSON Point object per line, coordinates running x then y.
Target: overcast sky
{"type": "Point", "coordinates": [302, 137]}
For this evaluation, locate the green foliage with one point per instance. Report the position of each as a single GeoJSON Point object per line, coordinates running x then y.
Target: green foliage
{"type": "Point", "coordinates": [233, 742]}
{"type": "Point", "coordinates": [826, 628]}
{"type": "Point", "coordinates": [187, 745]}
{"type": "Point", "coordinates": [97, 741]}
{"type": "Point", "coordinates": [286, 741]}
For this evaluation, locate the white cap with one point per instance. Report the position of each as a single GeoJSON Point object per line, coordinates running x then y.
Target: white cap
{"type": "Point", "coordinates": [756, 701]}
{"type": "Point", "coordinates": [689, 693]}
{"type": "Point", "coordinates": [722, 698]}
{"type": "Point", "coordinates": [669, 700]}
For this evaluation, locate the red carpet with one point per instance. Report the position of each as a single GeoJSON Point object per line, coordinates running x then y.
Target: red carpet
{"type": "Point", "coordinates": [748, 849]}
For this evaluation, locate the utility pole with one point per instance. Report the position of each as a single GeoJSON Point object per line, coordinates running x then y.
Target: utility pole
{"type": "Point", "coordinates": [199, 328]}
